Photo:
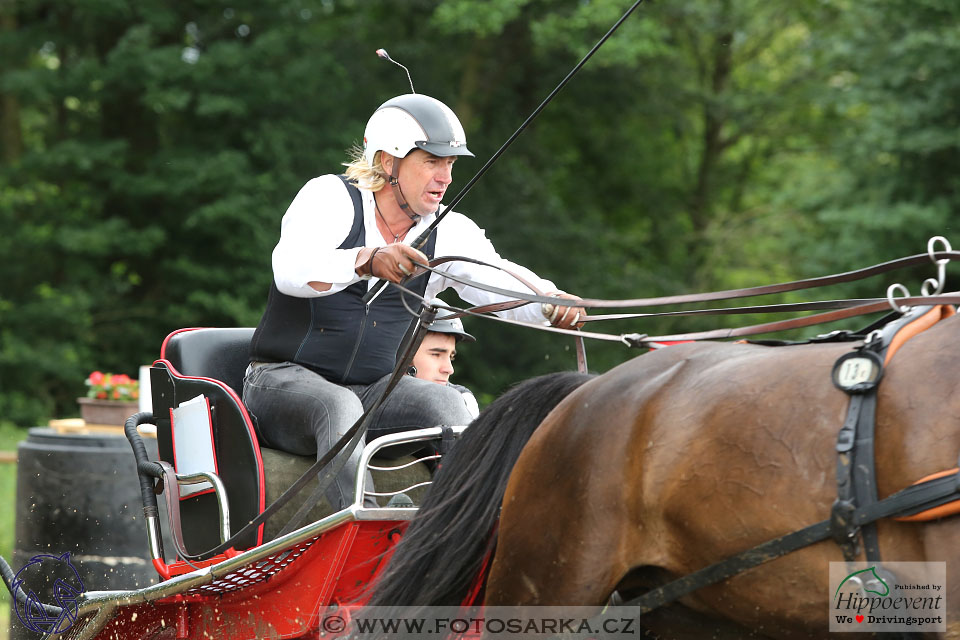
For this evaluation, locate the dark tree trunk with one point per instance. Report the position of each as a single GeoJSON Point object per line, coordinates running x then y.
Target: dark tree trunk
{"type": "Point", "coordinates": [11, 136]}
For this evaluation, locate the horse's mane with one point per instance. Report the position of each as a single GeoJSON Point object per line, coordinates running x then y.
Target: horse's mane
{"type": "Point", "coordinates": [443, 549]}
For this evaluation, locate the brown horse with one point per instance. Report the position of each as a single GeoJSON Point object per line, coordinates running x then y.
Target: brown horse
{"type": "Point", "coordinates": [687, 455]}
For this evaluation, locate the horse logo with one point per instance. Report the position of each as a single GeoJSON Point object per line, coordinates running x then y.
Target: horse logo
{"type": "Point", "coordinates": [67, 587]}
{"type": "Point", "coordinates": [864, 583]}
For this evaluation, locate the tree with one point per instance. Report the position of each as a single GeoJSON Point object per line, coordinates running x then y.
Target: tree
{"type": "Point", "coordinates": [161, 141]}
{"type": "Point", "coordinates": [895, 85]}
{"type": "Point", "coordinates": [709, 144]}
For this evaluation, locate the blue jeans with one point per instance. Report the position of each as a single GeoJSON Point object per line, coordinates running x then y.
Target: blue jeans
{"type": "Point", "coordinates": [300, 412]}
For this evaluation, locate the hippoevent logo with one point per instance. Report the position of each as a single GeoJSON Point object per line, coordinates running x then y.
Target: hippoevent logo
{"type": "Point", "coordinates": [889, 596]}
{"type": "Point", "coordinates": [62, 582]}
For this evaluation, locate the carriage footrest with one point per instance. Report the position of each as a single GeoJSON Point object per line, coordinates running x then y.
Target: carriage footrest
{"type": "Point", "coordinates": [181, 567]}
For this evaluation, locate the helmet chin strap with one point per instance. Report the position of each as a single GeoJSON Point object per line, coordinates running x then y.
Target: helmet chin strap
{"type": "Point", "coordinates": [398, 193]}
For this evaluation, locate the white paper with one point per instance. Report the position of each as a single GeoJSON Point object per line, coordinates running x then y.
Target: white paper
{"type": "Point", "coordinates": [146, 401]}
{"type": "Point", "coordinates": [193, 442]}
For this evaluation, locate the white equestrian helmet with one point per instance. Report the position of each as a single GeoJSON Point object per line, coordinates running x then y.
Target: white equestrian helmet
{"type": "Point", "coordinates": [413, 121]}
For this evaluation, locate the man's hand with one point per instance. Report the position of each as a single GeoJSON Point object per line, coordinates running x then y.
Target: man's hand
{"type": "Point", "coordinates": [393, 262]}
{"type": "Point", "coordinates": [561, 316]}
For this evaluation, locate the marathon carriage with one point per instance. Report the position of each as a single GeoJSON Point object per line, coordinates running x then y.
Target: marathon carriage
{"type": "Point", "coordinates": [265, 583]}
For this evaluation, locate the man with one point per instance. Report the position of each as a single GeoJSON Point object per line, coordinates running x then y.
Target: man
{"type": "Point", "coordinates": [320, 355]}
{"type": "Point", "coordinates": [434, 359]}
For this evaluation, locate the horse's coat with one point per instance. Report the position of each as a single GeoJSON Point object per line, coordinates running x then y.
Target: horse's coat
{"type": "Point", "coordinates": [687, 455]}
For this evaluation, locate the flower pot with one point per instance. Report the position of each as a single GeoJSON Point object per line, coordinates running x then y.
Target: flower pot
{"type": "Point", "coordinates": [106, 412]}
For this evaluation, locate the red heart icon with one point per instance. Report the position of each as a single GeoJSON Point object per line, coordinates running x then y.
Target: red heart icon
{"type": "Point", "coordinates": [859, 618]}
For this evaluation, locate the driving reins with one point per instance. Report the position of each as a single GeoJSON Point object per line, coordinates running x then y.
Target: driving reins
{"type": "Point", "coordinates": [841, 309]}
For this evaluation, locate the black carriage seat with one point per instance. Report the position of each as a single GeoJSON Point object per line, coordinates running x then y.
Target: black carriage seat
{"type": "Point", "coordinates": [221, 354]}
{"type": "Point", "coordinates": [212, 362]}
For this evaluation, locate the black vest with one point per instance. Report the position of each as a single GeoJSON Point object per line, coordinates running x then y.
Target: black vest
{"type": "Point", "coordinates": [338, 336]}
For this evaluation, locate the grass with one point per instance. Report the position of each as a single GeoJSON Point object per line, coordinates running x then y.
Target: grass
{"type": "Point", "coordinates": [10, 435]}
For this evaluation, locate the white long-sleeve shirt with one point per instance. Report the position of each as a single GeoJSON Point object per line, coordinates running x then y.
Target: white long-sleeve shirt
{"type": "Point", "coordinates": [320, 217]}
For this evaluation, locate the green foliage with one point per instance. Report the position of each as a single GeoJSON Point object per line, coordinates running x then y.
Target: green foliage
{"type": "Point", "coordinates": [10, 436]}
{"type": "Point", "coordinates": [151, 148]}
{"type": "Point", "coordinates": [897, 154]}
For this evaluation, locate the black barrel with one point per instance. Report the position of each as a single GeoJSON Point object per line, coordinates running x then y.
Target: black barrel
{"type": "Point", "coordinates": [78, 493]}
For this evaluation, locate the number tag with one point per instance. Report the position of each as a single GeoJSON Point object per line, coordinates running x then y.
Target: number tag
{"type": "Point", "coordinates": [858, 372]}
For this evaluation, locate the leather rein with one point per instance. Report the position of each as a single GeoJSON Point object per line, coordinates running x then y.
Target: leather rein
{"type": "Point", "coordinates": [836, 309]}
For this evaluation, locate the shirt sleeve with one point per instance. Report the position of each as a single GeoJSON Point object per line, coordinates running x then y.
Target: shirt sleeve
{"type": "Point", "coordinates": [315, 224]}
{"type": "Point", "coordinates": [457, 235]}
{"type": "Point", "coordinates": [473, 408]}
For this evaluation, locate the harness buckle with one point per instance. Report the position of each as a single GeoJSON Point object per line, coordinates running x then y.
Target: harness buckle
{"type": "Point", "coordinates": [837, 335]}
{"type": "Point", "coordinates": [845, 440]}
{"type": "Point", "coordinates": [842, 528]}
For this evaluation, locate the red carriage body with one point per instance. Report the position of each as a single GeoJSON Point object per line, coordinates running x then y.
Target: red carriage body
{"type": "Point", "coordinates": [274, 591]}
{"type": "Point", "coordinates": [281, 588]}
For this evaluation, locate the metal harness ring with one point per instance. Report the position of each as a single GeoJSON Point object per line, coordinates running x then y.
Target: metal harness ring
{"type": "Point", "coordinates": [938, 282]}
{"type": "Point", "coordinates": [890, 298]}
{"type": "Point", "coordinates": [930, 250]}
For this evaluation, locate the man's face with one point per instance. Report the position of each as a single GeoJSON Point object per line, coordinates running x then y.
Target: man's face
{"type": "Point", "coordinates": [424, 179]}
{"type": "Point", "coordinates": [434, 359]}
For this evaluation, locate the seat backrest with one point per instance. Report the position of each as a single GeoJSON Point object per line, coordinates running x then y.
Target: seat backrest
{"type": "Point", "coordinates": [211, 362]}
{"type": "Point", "coordinates": [219, 353]}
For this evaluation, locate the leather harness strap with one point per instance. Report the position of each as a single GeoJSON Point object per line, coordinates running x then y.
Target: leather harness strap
{"type": "Point", "coordinates": [948, 507]}
{"type": "Point", "coordinates": [921, 495]}
{"type": "Point", "coordinates": [856, 472]}
{"type": "Point", "coordinates": [919, 325]}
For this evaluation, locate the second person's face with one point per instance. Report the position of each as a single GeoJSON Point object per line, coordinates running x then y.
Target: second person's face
{"type": "Point", "coordinates": [434, 359]}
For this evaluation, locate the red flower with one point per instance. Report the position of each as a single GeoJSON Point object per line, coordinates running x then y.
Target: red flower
{"type": "Point", "coordinates": [109, 386]}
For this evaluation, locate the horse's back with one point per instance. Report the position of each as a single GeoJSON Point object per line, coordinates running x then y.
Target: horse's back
{"type": "Point", "coordinates": [751, 408]}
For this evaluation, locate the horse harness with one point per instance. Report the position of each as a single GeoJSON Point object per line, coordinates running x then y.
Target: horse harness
{"type": "Point", "coordinates": [857, 509]}
{"type": "Point", "coordinates": [858, 373]}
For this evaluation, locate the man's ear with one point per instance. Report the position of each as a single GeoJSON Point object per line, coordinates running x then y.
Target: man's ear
{"type": "Point", "coordinates": [387, 161]}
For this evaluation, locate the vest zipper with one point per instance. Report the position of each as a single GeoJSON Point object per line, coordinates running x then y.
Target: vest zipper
{"type": "Point", "coordinates": [356, 346]}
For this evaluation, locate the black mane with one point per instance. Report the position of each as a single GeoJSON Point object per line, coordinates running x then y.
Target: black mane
{"type": "Point", "coordinates": [443, 549]}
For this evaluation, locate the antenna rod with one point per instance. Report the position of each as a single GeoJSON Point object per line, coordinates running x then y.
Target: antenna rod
{"type": "Point", "coordinates": [386, 56]}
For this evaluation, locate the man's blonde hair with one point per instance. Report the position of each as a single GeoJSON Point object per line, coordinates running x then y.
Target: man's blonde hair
{"type": "Point", "coordinates": [362, 174]}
